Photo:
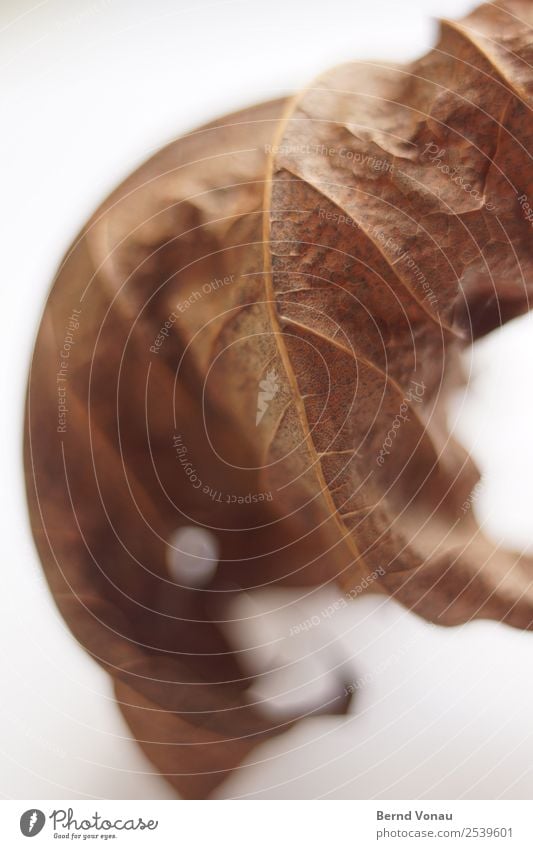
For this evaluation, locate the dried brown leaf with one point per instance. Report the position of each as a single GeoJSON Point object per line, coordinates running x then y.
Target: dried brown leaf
{"type": "Point", "coordinates": [234, 335]}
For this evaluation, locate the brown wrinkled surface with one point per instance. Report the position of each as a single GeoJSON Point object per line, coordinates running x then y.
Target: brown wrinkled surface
{"type": "Point", "coordinates": [359, 323]}
{"type": "Point", "coordinates": [357, 268]}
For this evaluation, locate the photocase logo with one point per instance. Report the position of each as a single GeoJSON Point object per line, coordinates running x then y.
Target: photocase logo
{"type": "Point", "coordinates": [32, 822]}
{"type": "Point", "coordinates": [64, 824]}
{"type": "Point", "coordinates": [268, 387]}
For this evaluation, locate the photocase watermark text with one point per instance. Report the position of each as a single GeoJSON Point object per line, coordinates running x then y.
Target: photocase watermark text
{"type": "Point", "coordinates": [216, 495]}
{"type": "Point", "coordinates": [413, 396]}
{"type": "Point", "coordinates": [369, 161]}
{"type": "Point", "coordinates": [182, 307]}
{"type": "Point", "coordinates": [62, 374]}
{"type": "Point", "coordinates": [436, 156]}
{"type": "Point", "coordinates": [338, 604]}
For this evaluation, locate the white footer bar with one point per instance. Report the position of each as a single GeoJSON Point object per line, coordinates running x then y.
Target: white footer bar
{"type": "Point", "coordinates": [267, 824]}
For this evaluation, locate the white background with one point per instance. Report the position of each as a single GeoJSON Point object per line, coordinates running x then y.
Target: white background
{"type": "Point", "coordinates": [89, 91]}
